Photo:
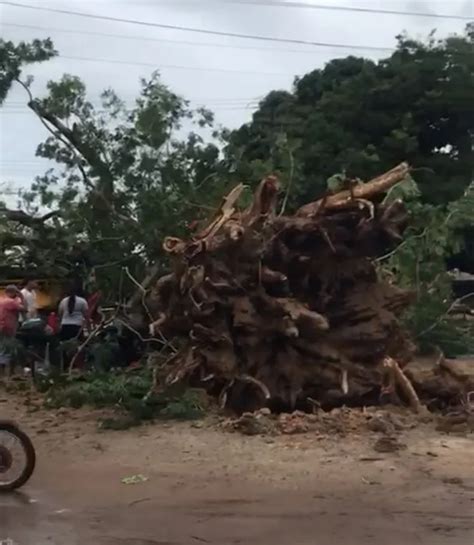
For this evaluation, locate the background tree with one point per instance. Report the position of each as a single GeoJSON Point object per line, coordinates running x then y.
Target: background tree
{"type": "Point", "coordinates": [125, 177]}
{"type": "Point", "coordinates": [13, 58]}
{"type": "Point", "coordinates": [419, 263]}
{"type": "Point", "coordinates": [362, 117]}
{"type": "Point", "coordinates": [17, 229]}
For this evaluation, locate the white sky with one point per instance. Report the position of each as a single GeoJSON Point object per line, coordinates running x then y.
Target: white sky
{"type": "Point", "coordinates": [226, 79]}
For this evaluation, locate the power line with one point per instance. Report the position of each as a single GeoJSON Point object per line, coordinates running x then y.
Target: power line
{"type": "Point", "coordinates": [99, 108]}
{"type": "Point", "coordinates": [22, 106]}
{"type": "Point", "coordinates": [173, 66]}
{"type": "Point", "coordinates": [199, 44]}
{"type": "Point", "coordinates": [307, 5]}
{"type": "Point", "coordinates": [20, 161]}
{"type": "Point", "coordinates": [130, 100]}
{"type": "Point", "coordinates": [214, 109]}
{"type": "Point", "coordinates": [97, 100]}
{"type": "Point", "coordinates": [201, 102]}
{"type": "Point", "coordinates": [188, 29]}
{"type": "Point", "coordinates": [270, 3]}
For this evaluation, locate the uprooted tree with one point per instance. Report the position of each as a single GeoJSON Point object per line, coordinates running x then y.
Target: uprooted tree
{"type": "Point", "coordinates": [288, 309]}
{"type": "Point", "coordinates": [289, 306]}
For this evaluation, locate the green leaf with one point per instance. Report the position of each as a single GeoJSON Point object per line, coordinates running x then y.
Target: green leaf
{"type": "Point", "coordinates": [407, 189]}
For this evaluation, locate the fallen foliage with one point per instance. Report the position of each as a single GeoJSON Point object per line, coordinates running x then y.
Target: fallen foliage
{"type": "Point", "coordinates": [125, 391]}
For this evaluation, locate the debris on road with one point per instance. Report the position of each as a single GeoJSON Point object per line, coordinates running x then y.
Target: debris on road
{"type": "Point", "coordinates": [388, 444]}
{"type": "Point", "coordinates": [337, 422]}
{"type": "Point", "coordinates": [134, 479]}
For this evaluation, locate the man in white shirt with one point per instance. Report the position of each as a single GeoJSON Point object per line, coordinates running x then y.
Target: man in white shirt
{"type": "Point", "coordinates": [29, 295]}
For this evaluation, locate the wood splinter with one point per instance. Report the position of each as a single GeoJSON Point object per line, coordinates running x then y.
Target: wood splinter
{"type": "Point", "coordinates": [404, 383]}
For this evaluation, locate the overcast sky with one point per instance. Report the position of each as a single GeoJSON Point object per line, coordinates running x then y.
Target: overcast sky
{"type": "Point", "coordinates": [227, 74]}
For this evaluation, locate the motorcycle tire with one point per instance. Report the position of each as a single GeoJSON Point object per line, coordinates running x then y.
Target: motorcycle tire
{"type": "Point", "coordinates": [30, 455]}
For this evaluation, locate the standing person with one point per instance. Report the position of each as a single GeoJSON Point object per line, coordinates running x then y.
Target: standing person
{"type": "Point", "coordinates": [93, 301]}
{"type": "Point", "coordinates": [11, 305]}
{"type": "Point", "coordinates": [30, 298]}
{"type": "Point", "coordinates": [73, 315]}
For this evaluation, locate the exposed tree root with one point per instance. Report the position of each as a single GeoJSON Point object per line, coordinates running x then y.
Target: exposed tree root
{"type": "Point", "coordinates": [286, 309]}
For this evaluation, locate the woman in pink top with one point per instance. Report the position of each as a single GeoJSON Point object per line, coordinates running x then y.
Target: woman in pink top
{"type": "Point", "coordinates": [10, 307]}
{"type": "Point", "coordinates": [11, 304]}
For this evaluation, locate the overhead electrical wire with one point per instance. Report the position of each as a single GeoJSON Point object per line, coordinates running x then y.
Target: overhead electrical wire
{"type": "Point", "coordinates": [214, 104]}
{"type": "Point", "coordinates": [271, 3]}
{"type": "Point", "coordinates": [14, 105]}
{"type": "Point", "coordinates": [129, 101]}
{"type": "Point", "coordinates": [174, 66]}
{"type": "Point", "coordinates": [198, 44]}
{"type": "Point", "coordinates": [203, 31]}
{"type": "Point", "coordinates": [189, 29]}
{"type": "Point", "coordinates": [96, 111]}
{"type": "Point", "coordinates": [354, 9]}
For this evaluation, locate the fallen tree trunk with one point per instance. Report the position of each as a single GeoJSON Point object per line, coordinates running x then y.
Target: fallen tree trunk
{"type": "Point", "coordinates": [287, 309]}
{"type": "Point", "coordinates": [367, 191]}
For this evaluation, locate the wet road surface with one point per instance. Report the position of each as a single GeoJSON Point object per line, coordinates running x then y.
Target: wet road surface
{"type": "Point", "coordinates": [164, 511]}
{"type": "Point", "coordinates": [207, 486]}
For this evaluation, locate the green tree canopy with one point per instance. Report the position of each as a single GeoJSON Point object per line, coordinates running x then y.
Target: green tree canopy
{"type": "Point", "coordinates": [17, 228]}
{"type": "Point", "coordinates": [14, 57]}
{"type": "Point", "coordinates": [363, 117]}
{"type": "Point", "coordinates": [125, 177]}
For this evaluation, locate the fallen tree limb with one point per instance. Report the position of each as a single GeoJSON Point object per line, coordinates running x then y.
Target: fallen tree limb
{"type": "Point", "coordinates": [366, 191]}
{"type": "Point", "coordinates": [25, 219]}
{"type": "Point", "coordinates": [103, 324]}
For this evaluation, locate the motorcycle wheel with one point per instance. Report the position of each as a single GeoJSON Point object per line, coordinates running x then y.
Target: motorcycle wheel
{"type": "Point", "coordinates": [7, 457]}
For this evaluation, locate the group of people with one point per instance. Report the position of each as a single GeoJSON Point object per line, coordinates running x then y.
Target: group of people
{"type": "Point", "coordinates": [18, 308]}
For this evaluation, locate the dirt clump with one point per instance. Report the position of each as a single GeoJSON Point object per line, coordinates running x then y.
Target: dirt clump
{"type": "Point", "coordinates": [337, 422]}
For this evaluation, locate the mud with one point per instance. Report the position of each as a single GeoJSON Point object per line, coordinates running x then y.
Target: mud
{"type": "Point", "coordinates": [208, 486]}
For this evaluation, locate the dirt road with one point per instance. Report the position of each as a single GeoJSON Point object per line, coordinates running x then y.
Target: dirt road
{"type": "Point", "coordinates": [207, 486]}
